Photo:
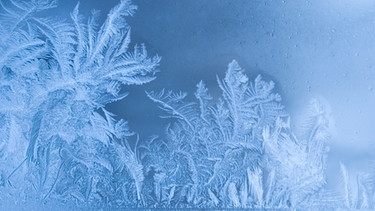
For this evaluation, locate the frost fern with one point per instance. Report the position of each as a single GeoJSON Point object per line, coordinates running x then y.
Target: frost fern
{"type": "Point", "coordinates": [56, 78]}
{"type": "Point", "coordinates": [234, 152]}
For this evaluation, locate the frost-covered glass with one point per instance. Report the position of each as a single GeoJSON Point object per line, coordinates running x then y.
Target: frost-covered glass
{"type": "Point", "coordinates": [88, 120]}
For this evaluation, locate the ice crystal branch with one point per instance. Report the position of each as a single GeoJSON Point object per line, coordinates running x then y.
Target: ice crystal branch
{"type": "Point", "coordinates": [236, 152]}
{"type": "Point", "coordinates": [56, 78]}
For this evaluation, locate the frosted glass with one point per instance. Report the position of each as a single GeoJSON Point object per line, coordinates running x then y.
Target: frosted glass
{"type": "Point", "coordinates": [208, 104]}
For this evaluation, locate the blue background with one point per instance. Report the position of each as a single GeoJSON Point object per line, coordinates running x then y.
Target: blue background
{"type": "Point", "coordinates": [322, 49]}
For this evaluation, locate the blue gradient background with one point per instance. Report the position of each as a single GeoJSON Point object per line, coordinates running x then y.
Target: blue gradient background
{"type": "Point", "coordinates": [323, 49]}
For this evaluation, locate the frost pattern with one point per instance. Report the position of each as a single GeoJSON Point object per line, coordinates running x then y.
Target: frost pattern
{"type": "Point", "coordinates": [58, 143]}
{"type": "Point", "coordinates": [56, 78]}
{"type": "Point", "coordinates": [357, 194]}
{"type": "Point", "coordinates": [236, 152]}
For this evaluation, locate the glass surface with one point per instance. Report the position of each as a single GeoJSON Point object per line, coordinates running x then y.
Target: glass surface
{"type": "Point", "coordinates": [298, 137]}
